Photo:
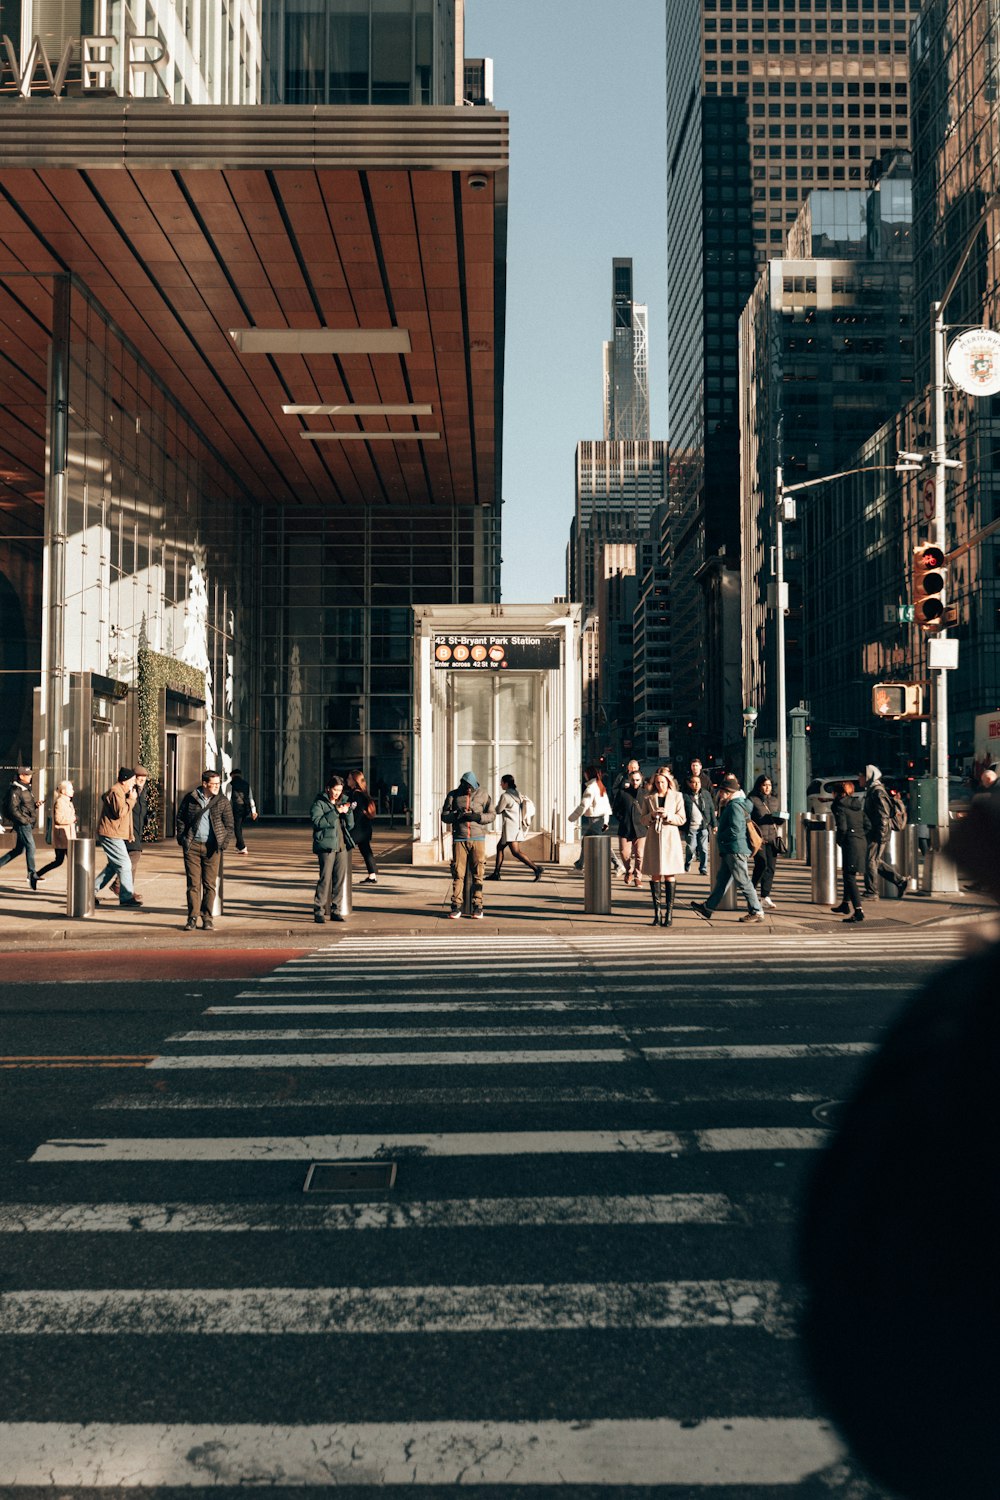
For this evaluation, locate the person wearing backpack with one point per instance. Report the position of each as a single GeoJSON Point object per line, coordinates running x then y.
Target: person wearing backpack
{"type": "Point", "coordinates": [881, 815]}
{"type": "Point", "coordinates": [515, 813]}
{"type": "Point", "coordinates": [21, 808]}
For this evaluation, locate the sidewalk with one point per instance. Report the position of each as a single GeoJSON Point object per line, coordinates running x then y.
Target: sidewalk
{"type": "Point", "coordinates": [268, 901]}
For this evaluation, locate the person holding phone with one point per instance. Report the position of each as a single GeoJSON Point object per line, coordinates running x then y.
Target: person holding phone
{"type": "Point", "coordinates": [332, 818]}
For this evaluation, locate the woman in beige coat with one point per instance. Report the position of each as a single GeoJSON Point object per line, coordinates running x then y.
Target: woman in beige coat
{"type": "Point", "coordinates": [63, 828]}
{"type": "Point", "coordinates": [662, 811]}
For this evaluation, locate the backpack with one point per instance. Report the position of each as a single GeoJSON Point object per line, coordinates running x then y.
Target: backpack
{"type": "Point", "coordinates": [527, 813]}
{"type": "Point", "coordinates": [897, 814]}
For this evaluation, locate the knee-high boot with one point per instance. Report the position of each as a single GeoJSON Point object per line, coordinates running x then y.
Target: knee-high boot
{"type": "Point", "coordinates": [667, 918]}
{"type": "Point", "coordinates": [654, 891]}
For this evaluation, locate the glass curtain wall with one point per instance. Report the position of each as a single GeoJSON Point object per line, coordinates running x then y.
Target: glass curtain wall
{"type": "Point", "coordinates": [155, 530]}
{"type": "Point", "coordinates": [336, 640]}
{"type": "Point", "coordinates": [357, 52]}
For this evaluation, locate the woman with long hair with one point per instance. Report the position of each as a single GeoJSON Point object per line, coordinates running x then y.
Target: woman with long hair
{"type": "Point", "coordinates": [511, 820]}
{"type": "Point", "coordinates": [594, 808]}
{"type": "Point", "coordinates": [63, 828]}
{"type": "Point", "coordinates": [363, 807]}
{"type": "Point", "coordinates": [765, 814]}
{"type": "Point", "coordinates": [662, 812]}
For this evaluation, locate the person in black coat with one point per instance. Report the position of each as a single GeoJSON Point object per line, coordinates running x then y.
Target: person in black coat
{"type": "Point", "coordinates": [631, 829]}
{"type": "Point", "coordinates": [765, 813]}
{"type": "Point", "coordinates": [364, 810]}
{"type": "Point", "coordinates": [849, 817]}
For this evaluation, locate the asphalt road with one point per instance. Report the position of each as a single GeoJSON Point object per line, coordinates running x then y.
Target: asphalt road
{"type": "Point", "coordinates": [582, 1282]}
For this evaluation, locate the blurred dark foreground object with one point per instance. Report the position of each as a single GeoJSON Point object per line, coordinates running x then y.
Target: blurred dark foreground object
{"type": "Point", "coordinates": [901, 1237]}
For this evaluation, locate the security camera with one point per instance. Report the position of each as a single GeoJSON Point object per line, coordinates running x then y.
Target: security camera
{"type": "Point", "coordinates": [478, 181]}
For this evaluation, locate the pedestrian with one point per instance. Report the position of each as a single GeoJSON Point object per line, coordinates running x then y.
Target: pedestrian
{"type": "Point", "coordinates": [631, 828]}
{"type": "Point", "coordinates": [662, 812]}
{"type": "Point", "coordinates": [204, 830]}
{"type": "Point", "coordinates": [593, 810]}
{"type": "Point", "coordinates": [63, 828]}
{"type": "Point", "coordinates": [511, 812]}
{"type": "Point", "coordinates": [699, 811]}
{"type": "Point", "coordinates": [849, 820]}
{"type": "Point", "coordinates": [243, 805]}
{"type": "Point", "coordinates": [114, 833]}
{"type": "Point", "coordinates": [880, 820]}
{"type": "Point", "coordinates": [467, 811]}
{"type": "Point", "coordinates": [364, 809]}
{"type": "Point", "coordinates": [734, 851]}
{"type": "Point", "coordinates": [140, 812]}
{"type": "Point", "coordinates": [332, 819]}
{"type": "Point", "coordinates": [766, 814]}
{"type": "Point", "coordinates": [21, 808]}
{"type": "Point", "coordinates": [697, 769]}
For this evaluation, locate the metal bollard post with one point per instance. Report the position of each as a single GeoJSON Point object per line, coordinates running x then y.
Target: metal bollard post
{"type": "Point", "coordinates": [912, 844]}
{"type": "Point", "coordinates": [802, 837]}
{"type": "Point", "coordinates": [824, 865]}
{"type": "Point", "coordinates": [218, 896]}
{"type": "Point", "coordinates": [343, 904]}
{"type": "Point", "coordinates": [597, 874]}
{"type": "Point", "coordinates": [80, 878]}
{"type": "Point", "coordinates": [888, 889]}
{"type": "Point", "coordinates": [728, 902]}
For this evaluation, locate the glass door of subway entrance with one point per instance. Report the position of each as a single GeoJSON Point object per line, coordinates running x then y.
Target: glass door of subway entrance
{"type": "Point", "coordinates": [496, 728]}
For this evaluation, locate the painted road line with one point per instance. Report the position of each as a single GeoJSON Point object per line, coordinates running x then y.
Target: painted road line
{"type": "Point", "coordinates": [390, 1033]}
{"type": "Point", "coordinates": [496, 1308]}
{"type": "Point", "coordinates": [730, 1451]}
{"type": "Point", "coordinates": [442, 1144]}
{"type": "Point", "coordinates": [290, 1060]}
{"type": "Point", "coordinates": [446, 1213]}
{"type": "Point", "coordinates": [110, 1060]}
{"type": "Point", "coordinates": [407, 1007]}
{"type": "Point", "coordinates": [753, 1052]}
{"type": "Point", "coordinates": [306, 1096]}
{"type": "Point", "coordinates": [707, 987]}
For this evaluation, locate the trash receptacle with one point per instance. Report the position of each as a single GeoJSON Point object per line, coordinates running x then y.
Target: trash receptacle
{"type": "Point", "coordinates": [728, 902]}
{"type": "Point", "coordinates": [597, 874]}
{"type": "Point", "coordinates": [80, 877]}
{"type": "Point", "coordinates": [823, 862]}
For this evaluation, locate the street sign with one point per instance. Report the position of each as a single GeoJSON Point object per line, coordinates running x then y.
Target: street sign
{"type": "Point", "coordinates": [974, 362]}
{"type": "Point", "coordinates": [929, 496]}
{"type": "Point", "coordinates": [906, 614]}
{"type": "Point", "coordinates": [844, 734]}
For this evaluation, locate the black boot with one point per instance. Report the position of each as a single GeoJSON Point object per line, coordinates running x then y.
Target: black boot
{"type": "Point", "coordinates": [654, 891]}
{"type": "Point", "coordinates": [667, 918]}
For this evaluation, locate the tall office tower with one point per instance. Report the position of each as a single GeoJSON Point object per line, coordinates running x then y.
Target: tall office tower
{"type": "Point", "coordinates": [764, 103]}
{"type": "Point", "coordinates": [626, 363]}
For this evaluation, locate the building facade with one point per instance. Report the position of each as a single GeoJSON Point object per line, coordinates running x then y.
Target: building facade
{"type": "Point", "coordinates": [762, 107]}
{"type": "Point", "coordinates": [626, 363]}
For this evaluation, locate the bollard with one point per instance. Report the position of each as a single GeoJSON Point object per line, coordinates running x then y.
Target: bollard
{"type": "Point", "coordinates": [218, 895]}
{"type": "Point", "coordinates": [911, 842]}
{"type": "Point", "coordinates": [888, 889]}
{"type": "Point", "coordinates": [597, 874]}
{"type": "Point", "coordinates": [823, 846]}
{"type": "Point", "coordinates": [80, 878]}
{"type": "Point", "coordinates": [728, 902]}
{"type": "Point", "coordinates": [343, 900]}
{"type": "Point", "coordinates": [802, 837]}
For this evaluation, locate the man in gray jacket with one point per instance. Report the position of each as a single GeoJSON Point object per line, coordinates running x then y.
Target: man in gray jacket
{"type": "Point", "coordinates": [467, 811]}
{"type": "Point", "coordinates": [332, 819]}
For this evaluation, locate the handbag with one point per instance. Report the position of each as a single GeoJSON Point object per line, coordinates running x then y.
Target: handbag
{"type": "Point", "coordinates": [780, 847]}
{"type": "Point", "coordinates": [754, 837]}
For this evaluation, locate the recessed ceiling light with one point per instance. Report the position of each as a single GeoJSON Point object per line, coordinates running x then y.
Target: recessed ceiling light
{"type": "Point", "coordinates": [321, 340]}
{"type": "Point", "coordinates": [369, 437]}
{"type": "Point", "coordinates": [346, 410]}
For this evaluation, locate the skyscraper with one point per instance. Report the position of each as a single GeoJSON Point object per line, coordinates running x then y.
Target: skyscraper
{"type": "Point", "coordinates": [762, 106]}
{"type": "Point", "coordinates": [626, 367]}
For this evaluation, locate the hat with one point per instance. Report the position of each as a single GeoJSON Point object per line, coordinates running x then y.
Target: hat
{"type": "Point", "coordinates": [141, 771]}
{"type": "Point", "coordinates": [124, 772]}
{"type": "Point", "coordinates": [872, 773]}
{"type": "Point", "coordinates": [24, 770]}
{"type": "Point", "coordinates": [731, 783]}
{"type": "Point", "coordinates": [470, 778]}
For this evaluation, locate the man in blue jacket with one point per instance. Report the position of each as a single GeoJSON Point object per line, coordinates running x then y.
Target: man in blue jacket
{"type": "Point", "coordinates": [331, 819]}
{"type": "Point", "coordinates": [734, 848]}
{"type": "Point", "coordinates": [467, 811]}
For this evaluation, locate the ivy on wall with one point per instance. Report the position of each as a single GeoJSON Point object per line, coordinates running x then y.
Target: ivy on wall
{"type": "Point", "coordinates": [154, 674]}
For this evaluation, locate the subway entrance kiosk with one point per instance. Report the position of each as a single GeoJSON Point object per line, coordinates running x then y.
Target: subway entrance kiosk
{"type": "Point", "coordinates": [497, 692]}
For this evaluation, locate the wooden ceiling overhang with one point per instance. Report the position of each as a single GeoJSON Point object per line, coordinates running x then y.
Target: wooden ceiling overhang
{"type": "Point", "coordinates": [185, 223]}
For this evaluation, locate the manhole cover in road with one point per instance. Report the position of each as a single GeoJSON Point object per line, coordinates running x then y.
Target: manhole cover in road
{"type": "Point", "coordinates": [350, 1177]}
{"type": "Point", "coordinates": [831, 1113]}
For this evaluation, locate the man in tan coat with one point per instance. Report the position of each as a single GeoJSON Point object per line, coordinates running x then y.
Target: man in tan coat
{"type": "Point", "coordinates": [114, 831]}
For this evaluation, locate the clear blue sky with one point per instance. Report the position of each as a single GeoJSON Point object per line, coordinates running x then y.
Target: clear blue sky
{"type": "Point", "coordinates": [584, 82]}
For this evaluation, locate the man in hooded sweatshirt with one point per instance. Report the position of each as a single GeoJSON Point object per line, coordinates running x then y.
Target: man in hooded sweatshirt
{"type": "Point", "coordinates": [467, 810]}
{"type": "Point", "coordinates": [878, 829]}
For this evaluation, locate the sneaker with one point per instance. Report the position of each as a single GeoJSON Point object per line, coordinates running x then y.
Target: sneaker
{"type": "Point", "coordinates": [135, 901]}
{"type": "Point", "coordinates": [538, 872]}
{"type": "Point", "coordinates": [857, 916]}
{"type": "Point", "coordinates": [370, 880]}
{"type": "Point", "coordinates": [243, 850]}
{"type": "Point", "coordinates": [320, 920]}
{"type": "Point", "coordinates": [494, 876]}
{"type": "Point", "coordinates": [701, 909]}
{"type": "Point", "coordinates": [33, 881]}
{"type": "Point", "coordinates": [336, 917]}
{"type": "Point", "coordinates": [753, 916]}
{"type": "Point", "coordinates": [455, 913]}
{"type": "Point", "coordinates": [207, 924]}
{"type": "Point", "coordinates": [190, 925]}
{"type": "Point", "coordinates": [477, 915]}
{"type": "Point", "coordinates": [766, 901]}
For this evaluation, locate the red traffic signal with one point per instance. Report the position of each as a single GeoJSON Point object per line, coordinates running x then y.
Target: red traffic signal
{"type": "Point", "coordinates": [930, 575]}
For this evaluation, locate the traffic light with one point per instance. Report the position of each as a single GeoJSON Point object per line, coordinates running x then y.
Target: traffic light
{"type": "Point", "coordinates": [897, 700]}
{"type": "Point", "coordinates": [930, 574]}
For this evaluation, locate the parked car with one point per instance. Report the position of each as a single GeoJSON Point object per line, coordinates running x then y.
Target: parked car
{"type": "Point", "coordinates": [821, 792]}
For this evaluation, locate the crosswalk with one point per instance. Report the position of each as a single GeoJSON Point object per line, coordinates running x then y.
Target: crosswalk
{"type": "Point", "coordinates": [581, 1278]}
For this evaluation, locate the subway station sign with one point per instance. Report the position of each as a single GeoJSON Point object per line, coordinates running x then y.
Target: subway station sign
{"type": "Point", "coordinates": [497, 653]}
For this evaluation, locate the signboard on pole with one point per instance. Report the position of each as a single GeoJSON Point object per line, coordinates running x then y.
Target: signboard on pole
{"type": "Point", "coordinates": [663, 741]}
{"type": "Point", "coordinates": [974, 362]}
{"type": "Point", "coordinates": [515, 653]}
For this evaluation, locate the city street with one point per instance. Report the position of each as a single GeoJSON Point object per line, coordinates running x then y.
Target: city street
{"type": "Point", "coordinates": [582, 1280]}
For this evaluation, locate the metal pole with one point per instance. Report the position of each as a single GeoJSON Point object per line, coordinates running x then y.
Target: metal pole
{"type": "Point", "coordinates": [779, 605]}
{"type": "Point", "coordinates": [749, 757]}
{"type": "Point", "coordinates": [53, 673]}
{"type": "Point", "coordinates": [942, 875]}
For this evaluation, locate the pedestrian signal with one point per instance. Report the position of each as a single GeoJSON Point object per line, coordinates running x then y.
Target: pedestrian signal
{"type": "Point", "coordinates": [897, 700]}
{"type": "Point", "coordinates": [930, 574]}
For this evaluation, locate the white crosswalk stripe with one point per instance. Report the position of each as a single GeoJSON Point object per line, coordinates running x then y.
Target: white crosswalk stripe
{"type": "Point", "coordinates": [543, 1099]}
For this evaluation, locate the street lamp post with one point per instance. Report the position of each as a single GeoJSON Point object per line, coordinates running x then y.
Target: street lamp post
{"type": "Point", "coordinates": [749, 725]}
